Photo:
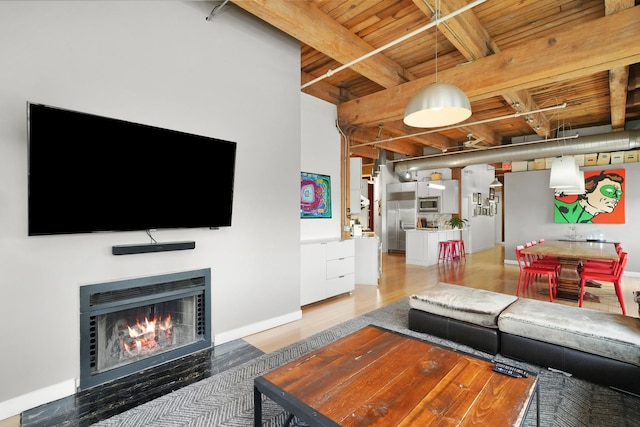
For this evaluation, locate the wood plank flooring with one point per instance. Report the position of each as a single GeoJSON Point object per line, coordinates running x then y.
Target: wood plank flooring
{"type": "Point", "coordinates": [482, 270]}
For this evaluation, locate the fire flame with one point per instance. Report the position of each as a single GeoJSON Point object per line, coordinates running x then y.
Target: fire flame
{"type": "Point", "coordinates": [144, 336]}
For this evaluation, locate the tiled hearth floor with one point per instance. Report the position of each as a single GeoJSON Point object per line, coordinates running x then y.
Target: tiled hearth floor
{"type": "Point", "coordinates": [98, 403]}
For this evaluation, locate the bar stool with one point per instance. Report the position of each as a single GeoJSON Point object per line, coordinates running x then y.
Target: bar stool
{"type": "Point", "coordinates": [457, 246]}
{"type": "Point", "coordinates": [445, 249]}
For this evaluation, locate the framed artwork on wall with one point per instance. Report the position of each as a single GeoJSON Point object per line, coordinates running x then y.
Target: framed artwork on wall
{"type": "Point", "coordinates": [602, 202]}
{"type": "Point", "coordinates": [315, 195]}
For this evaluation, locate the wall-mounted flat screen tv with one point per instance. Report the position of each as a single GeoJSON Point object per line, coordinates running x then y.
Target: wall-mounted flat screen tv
{"type": "Point", "coordinates": [315, 195]}
{"type": "Point", "coordinates": [89, 173]}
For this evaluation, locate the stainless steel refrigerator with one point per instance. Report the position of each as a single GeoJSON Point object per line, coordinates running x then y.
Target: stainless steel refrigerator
{"type": "Point", "coordinates": [401, 216]}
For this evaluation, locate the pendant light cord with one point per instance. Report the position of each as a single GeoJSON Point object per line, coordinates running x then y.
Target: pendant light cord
{"type": "Point", "coordinates": [437, 14]}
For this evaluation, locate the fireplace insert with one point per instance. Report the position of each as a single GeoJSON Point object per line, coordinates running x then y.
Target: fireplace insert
{"type": "Point", "coordinates": [131, 325]}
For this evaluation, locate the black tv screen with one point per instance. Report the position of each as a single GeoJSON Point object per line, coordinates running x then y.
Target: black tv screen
{"type": "Point", "coordinates": [89, 173]}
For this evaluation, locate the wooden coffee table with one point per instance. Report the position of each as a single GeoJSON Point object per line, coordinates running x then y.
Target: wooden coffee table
{"type": "Point", "coordinates": [378, 377]}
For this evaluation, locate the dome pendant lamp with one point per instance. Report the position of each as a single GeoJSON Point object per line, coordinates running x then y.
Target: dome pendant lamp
{"type": "Point", "coordinates": [439, 104]}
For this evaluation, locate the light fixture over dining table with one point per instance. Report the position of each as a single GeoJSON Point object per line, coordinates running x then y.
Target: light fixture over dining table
{"type": "Point", "coordinates": [439, 104]}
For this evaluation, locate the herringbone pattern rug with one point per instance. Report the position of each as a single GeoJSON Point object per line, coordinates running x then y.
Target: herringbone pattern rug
{"type": "Point", "coordinates": [226, 399]}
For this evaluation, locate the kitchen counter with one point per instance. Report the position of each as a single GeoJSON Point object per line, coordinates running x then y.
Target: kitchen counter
{"type": "Point", "coordinates": [423, 244]}
{"type": "Point", "coordinates": [436, 230]}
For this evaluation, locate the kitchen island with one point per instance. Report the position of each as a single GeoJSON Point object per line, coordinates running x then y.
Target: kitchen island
{"type": "Point", "coordinates": [422, 244]}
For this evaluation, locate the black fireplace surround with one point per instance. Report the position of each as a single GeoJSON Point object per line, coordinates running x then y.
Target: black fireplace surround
{"type": "Point", "coordinates": [131, 325]}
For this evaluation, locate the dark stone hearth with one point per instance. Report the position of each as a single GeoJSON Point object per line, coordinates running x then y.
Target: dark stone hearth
{"type": "Point", "coordinates": [103, 401]}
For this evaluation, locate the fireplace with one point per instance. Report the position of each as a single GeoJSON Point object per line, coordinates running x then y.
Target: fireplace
{"type": "Point", "coordinates": [131, 325]}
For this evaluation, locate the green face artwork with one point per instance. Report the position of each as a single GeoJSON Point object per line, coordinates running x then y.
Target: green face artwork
{"type": "Point", "coordinates": [611, 191]}
{"type": "Point", "coordinates": [605, 197]}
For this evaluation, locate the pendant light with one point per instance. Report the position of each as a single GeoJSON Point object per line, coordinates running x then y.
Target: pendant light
{"type": "Point", "coordinates": [439, 104]}
{"type": "Point", "coordinates": [564, 173]}
{"type": "Point", "coordinates": [579, 188]}
{"type": "Point", "coordinates": [495, 183]}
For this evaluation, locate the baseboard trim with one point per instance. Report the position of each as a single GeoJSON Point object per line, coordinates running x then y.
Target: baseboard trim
{"type": "Point", "coordinates": [254, 328]}
{"type": "Point", "coordinates": [17, 405]}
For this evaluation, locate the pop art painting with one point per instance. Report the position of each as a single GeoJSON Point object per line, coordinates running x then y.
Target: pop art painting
{"type": "Point", "coordinates": [601, 203]}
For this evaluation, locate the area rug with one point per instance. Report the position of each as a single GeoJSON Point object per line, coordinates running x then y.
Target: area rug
{"type": "Point", "coordinates": [226, 399]}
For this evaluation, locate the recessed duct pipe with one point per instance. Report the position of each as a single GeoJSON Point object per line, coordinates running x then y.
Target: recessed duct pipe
{"type": "Point", "coordinates": [615, 141]}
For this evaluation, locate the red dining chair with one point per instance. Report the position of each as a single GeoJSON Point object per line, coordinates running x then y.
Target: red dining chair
{"type": "Point", "coordinates": [602, 264]}
{"type": "Point", "coordinates": [614, 276]}
{"type": "Point", "coordinates": [529, 271]}
{"type": "Point", "coordinates": [534, 260]}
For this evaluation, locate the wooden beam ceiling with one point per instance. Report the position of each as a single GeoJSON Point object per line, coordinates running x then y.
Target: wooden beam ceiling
{"type": "Point", "coordinates": [556, 59]}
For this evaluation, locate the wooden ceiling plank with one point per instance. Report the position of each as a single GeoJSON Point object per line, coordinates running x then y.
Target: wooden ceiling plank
{"type": "Point", "coordinates": [634, 77]}
{"type": "Point", "coordinates": [579, 51]}
{"type": "Point", "coordinates": [468, 35]}
{"type": "Point", "coordinates": [470, 38]}
{"type": "Point", "coordinates": [618, 80]}
{"type": "Point", "coordinates": [367, 152]}
{"type": "Point", "coordinates": [618, 77]}
{"type": "Point", "coordinates": [326, 91]}
{"type": "Point", "coordinates": [311, 26]}
{"type": "Point", "coordinates": [559, 16]}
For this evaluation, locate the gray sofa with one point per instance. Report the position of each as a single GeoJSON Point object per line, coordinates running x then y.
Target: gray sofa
{"type": "Point", "coordinates": [600, 347]}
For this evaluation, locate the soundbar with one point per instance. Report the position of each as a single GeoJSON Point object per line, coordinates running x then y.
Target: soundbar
{"type": "Point", "coordinates": [152, 247]}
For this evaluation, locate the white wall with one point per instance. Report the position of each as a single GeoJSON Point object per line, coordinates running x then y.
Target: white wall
{"type": "Point", "coordinates": [321, 154]}
{"type": "Point", "coordinates": [529, 213]}
{"type": "Point", "coordinates": [476, 179]}
{"type": "Point", "coordinates": [162, 64]}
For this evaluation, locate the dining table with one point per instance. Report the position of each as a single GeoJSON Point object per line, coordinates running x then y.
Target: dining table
{"type": "Point", "coordinates": [571, 256]}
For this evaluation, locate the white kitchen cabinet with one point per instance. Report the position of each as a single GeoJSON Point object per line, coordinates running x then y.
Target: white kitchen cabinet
{"type": "Point", "coordinates": [416, 252]}
{"type": "Point", "coordinates": [312, 272]}
{"type": "Point", "coordinates": [326, 269]}
{"type": "Point", "coordinates": [368, 260]}
{"type": "Point", "coordinates": [448, 196]}
{"type": "Point", "coordinates": [425, 191]}
{"type": "Point", "coordinates": [423, 245]}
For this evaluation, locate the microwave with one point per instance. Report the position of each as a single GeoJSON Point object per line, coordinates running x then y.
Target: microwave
{"type": "Point", "coordinates": [429, 204]}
